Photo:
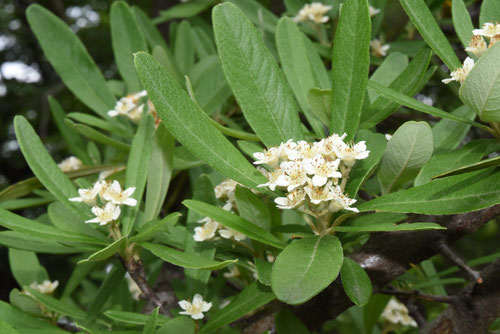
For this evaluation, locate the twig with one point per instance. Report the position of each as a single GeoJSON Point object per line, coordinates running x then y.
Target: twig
{"type": "Point", "coordinates": [419, 295]}
{"type": "Point", "coordinates": [450, 254]}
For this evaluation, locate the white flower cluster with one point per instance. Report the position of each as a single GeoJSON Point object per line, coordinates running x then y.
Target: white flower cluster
{"type": "Point", "coordinates": [196, 308]}
{"type": "Point", "coordinates": [111, 196]}
{"type": "Point", "coordinates": [397, 313]}
{"type": "Point", "coordinates": [70, 163]}
{"type": "Point", "coordinates": [129, 106]}
{"type": "Point", "coordinates": [310, 173]}
{"type": "Point", "coordinates": [223, 191]}
{"type": "Point", "coordinates": [313, 11]}
{"type": "Point", "coordinates": [47, 287]}
{"type": "Point", "coordinates": [478, 47]}
{"type": "Point", "coordinates": [378, 49]}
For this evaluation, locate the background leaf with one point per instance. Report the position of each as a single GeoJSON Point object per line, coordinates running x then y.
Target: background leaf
{"type": "Point", "coordinates": [490, 12]}
{"type": "Point", "coordinates": [287, 323]}
{"type": "Point", "coordinates": [462, 21]}
{"type": "Point", "coordinates": [356, 282]}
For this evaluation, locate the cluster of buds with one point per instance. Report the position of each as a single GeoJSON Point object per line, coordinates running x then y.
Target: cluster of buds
{"type": "Point", "coordinates": [224, 191]}
{"type": "Point", "coordinates": [311, 173]}
{"type": "Point", "coordinates": [397, 313]}
{"type": "Point", "coordinates": [46, 287]}
{"type": "Point", "coordinates": [313, 11]}
{"type": "Point", "coordinates": [478, 47]}
{"type": "Point", "coordinates": [129, 106]}
{"type": "Point", "coordinates": [69, 164]}
{"type": "Point", "coordinates": [111, 197]}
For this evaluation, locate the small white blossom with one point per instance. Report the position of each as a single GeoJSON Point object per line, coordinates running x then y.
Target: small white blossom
{"type": "Point", "coordinates": [488, 30]}
{"type": "Point", "coordinates": [461, 73]}
{"type": "Point", "coordinates": [196, 308]}
{"type": "Point", "coordinates": [105, 215]}
{"type": "Point", "coordinates": [69, 164]}
{"type": "Point", "coordinates": [228, 233]}
{"type": "Point", "coordinates": [322, 170]}
{"type": "Point", "coordinates": [225, 190]}
{"type": "Point", "coordinates": [294, 175]}
{"type": "Point", "coordinates": [320, 194]}
{"type": "Point", "coordinates": [477, 45]}
{"type": "Point", "coordinates": [288, 150]}
{"type": "Point", "coordinates": [88, 195]}
{"type": "Point", "coordinates": [397, 313]}
{"type": "Point", "coordinates": [47, 287]}
{"type": "Point", "coordinates": [207, 231]}
{"type": "Point", "coordinates": [233, 272]}
{"type": "Point", "coordinates": [273, 179]}
{"type": "Point", "coordinates": [350, 153]}
{"type": "Point", "coordinates": [341, 201]}
{"type": "Point", "coordinates": [114, 194]}
{"type": "Point", "coordinates": [328, 144]}
{"type": "Point", "coordinates": [373, 11]}
{"type": "Point", "coordinates": [128, 106]}
{"type": "Point", "coordinates": [494, 40]}
{"type": "Point", "coordinates": [270, 157]}
{"type": "Point", "coordinates": [315, 12]}
{"type": "Point", "coordinates": [378, 49]}
{"type": "Point", "coordinates": [388, 136]}
{"type": "Point", "coordinates": [292, 199]}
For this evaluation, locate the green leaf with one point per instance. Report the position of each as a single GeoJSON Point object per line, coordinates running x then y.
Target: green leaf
{"type": "Point", "coordinates": [25, 323]}
{"type": "Point", "coordinates": [58, 306]}
{"type": "Point", "coordinates": [481, 88]}
{"type": "Point", "coordinates": [184, 47]}
{"type": "Point", "coordinates": [166, 58]}
{"type": "Point", "coordinates": [26, 242]}
{"type": "Point", "coordinates": [235, 222]}
{"type": "Point", "coordinates": [376, 144]}
{"type": "Point", "coordinates": [423, 20]}
{"type": "Point", "coordinates": [182, 325]}
{"type": "Point", "coordinates": [70, 59]}
{"type": "Point", "coordinates": [294, 57]}
{"type": "Point", "coordinates": [356, 282]}
{"type": "Point", "coordinates": [252, 208]}
{"type": "Point", "coordinates": [490, 12]}
{"type": "Point", "coordinates": [492, 162]}
{"type": "Point", "coordinates": [7, 329]}
{"type": "Point", "coordinates": [306, 267]}
{"type": "Point", "coordinates": [372, 311]}
{"type": "Point", "coordinates": [320, 104]}
{"type": "Point", "coordinates": [449, 134]}
{"type": "Point", "coordinates": [191, 127]}
{"type": "Point", "coordinates": [148, 229]}
{"type": "Point", "coordinates": [446, 162]}
{"type": "Point", "coordinates": [183, 259]}
{"type": "Point", "coordinates": [159, 172]}
{"type": "Point", "coordinates": [106, 252]}
{"type": "Point", "coordinates": [264, 270]}
{"type": "Point", "coordinates": [127, 39]}
{"type": "Point", "coordinates": [134, 318]}
{"type": "Point", "coordinates": [257, 13]}
{"type": "Point", "coordinates": [450, 195]}
{"type": "Point", "coordinates": [351, 64]}
{"type": "Point", "coordinates": [97, 136]}
{"type": "Point", "coordinates": [462, 21]}
{"type": "Point", "coordinates": [184, 10]}
{"type": "Point", "coordinates": [408, 150]}
{"type": "Point", "coordinates": [204, 43]}
{"type": "Point", "coordinates": [287, 323]}
{"type": "Point", "coordinates": [150, 32]}
{"type": "Point", "coordinates": [65, 220]}
{"type": "Point", "coordinates": [137, 168]}
{"type": "Point", "coordinates": [110, 126]}
{"type": "Point", "coordinates": [79, 273]}
{"type": "Point", "coordinates": [384, 227]}
{"type": "Point", "coordinates": [392, 66]}
{"type": "Point", "coordinates": [150, 326]}
{"type": "Point", "coordinates": [25, 267]}
{"type": "Point", "coordinates": [22, 203]}
{"type": "Point", "coordinates": [252, 297]}
{"type": "Point", "coordinates": [257, 82]}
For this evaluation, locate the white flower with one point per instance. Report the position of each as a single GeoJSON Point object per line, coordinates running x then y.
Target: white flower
{"type": "Point", "coordinates": [388, 136]}
{"type": "Point", "coordinates": [477, 45]}
{"type": "Point", "coordinates": [373, 11]}
{"type": "Point", "coordinates": [196, 308]}
{"type": "Point", "coordinates": [270, 157]}
{"type": "Point", "coordinates": [494, 40]}
{"type": "Point", "coordinates": [114, 194]}
{"type": "Point", "coordinates": [128, 106]}
{"type": "Point", "coordinates": [308, 151]}
{"type": "Point", "coordinates": [288, 150]}
{"type": "Point", "coordinates": [350, 153]}
{"type": "Point", "coordinates": [207, 231]}
{"type": "Point", "coordinates": [462, 72]}
{"type": "Point", "coordinates": [329, 143]}
{"type": "Point", "coordinates": [322, 170]}
{"type": "Point", "coordinates": [341, 201]}
{"type": "Point", "coordinates": [378, 49]}
{"type": "Point", "coordinates": [88, 195]}
{"type": "Point", "coordinates": [103, 216]}
{"type": "Point", "coordinates": [47, 287]}
{"type": "Point", "coordinates": [228, 233]}
{"type": "Point", "coordinates": [488, 30]}
{"type": "Point", "coordinates": [314, 11]}
{"type": "Point", "coordinates": [136, 113]}
{"type": "Point", "coordinates": [292, 199]}
{"type": "Point", "coordinates": [295, 175]}
{"type": "Point", "coordinates": [226, 189]}
{"type": "Point", "coordinates": [320, 194]}
{"type": "Point", "coordinates": [273, 178]}
{"type": "Point", "coordinates": [233, 272]}
{"type": "Point", "coordinates": [69, 164]}
{"type": "Point", "coordinates": [397, 312]}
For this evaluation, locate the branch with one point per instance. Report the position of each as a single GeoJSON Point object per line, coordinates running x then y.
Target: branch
{"type": "Point", "coordinates": [419, 295]}
{"type": "Point", "coordinates": [472, 275]}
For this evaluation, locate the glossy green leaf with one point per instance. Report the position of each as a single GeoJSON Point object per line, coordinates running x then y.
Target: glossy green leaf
{"type": "Point", "coordinates": [25, 323]}
{"type": "Point", "coordinates": [70, 59]}
{"type": "Point", "coordinates": [445, 162]}
{"type": "Point", "coordinates": [287, 323]}
{"type": "Point", "coordinates": [487, 163]}
{"type": "Point", "coordinates": [184, 325]}
{"type": "Point", "coordinates": [423, 20]}
{"type": "Point", "coordinates": [25, 267]}
{"type": "Point", "coordinates": [127, 39]}
{"type": "Point", "coordinates": [264, 270]}
{"type": "Point", "coordinates": [372, 310]}
{"type": "Point", "coordinates": [252, 208]}
{"type": "Point", "coordinates": [133, 318]}
{"type": "Point", "coordinates": [22, 241]}
{"type": "Point", "coordinates": [106, 252]}
{"type": "Point", "coordinates": [408, 150]}
{"type": "Point", "coordinates": [252, 297]}
{"type": "Point", "coordinates": [234, 222]}
{"type": "Point", "coordinates": [490, 12]}
{"type": "Point", "coordinates": [356, 282]}
{"type": "Point", "coordinates": [7, 329]}
{"type": "Point", "coordinates": [320, 104]}
{"type": "Point", "coordinates": [306, 267]}
{"type": "Point", "coordinates": [184, 259]}
{"type": "Point", "coordinates": [450, 195]}
{"type": "Point", "coordinates": [448, 134]}
{"type": "Point", "coordinates": [190, 126]}
{"type": "Point", "coordinates": [58, 306]}
{"type": "Point", "coordinates": [385, 227]}
{"type": "Point", "coordinates": [392, 66]}
{"type": "Point", "coordinates": [137, 168]}
{"type": "Point", "coordinates": [481, 90]}
{"type": "Point", "coordinates": [257, 82]}
{"type": "Point", "coordinates": [351, 64]}
{"type": "Point", "coordinates": [462, 21]}
{"type": "Point", "coordinates": [262, 17]}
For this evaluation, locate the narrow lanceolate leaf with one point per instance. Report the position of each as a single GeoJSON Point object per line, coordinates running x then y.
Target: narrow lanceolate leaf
{"type": "Point", "coordinates": [25, 267]}
{"type": "Point", "coordinates": [384, 227]}
{"type": "Point", "coordinates": [180, 324]}
{"type": "Point", "coordinates": [490, 12]}
{"type": "Point", "coordinates": [106, 252]}
{"type": "Point", "coordinates": [57, 306]}
{"type": "Point", "coordinates": [134, 318]}
{"type": "Point", "coordinates": [450, 195]}
{"type": "Point", "coordinates": [262, 17]}
{"type": "Point", "coordinates": [183, 259]}
{"type": "Point", "coordinates": [356, 282]}
{"type": "Point", "coordinates": [448, 134]}
{"type": "Point", "coordinates": [350, 66]}
{"type": "Point", "coordinates": [25, 322]}
{"type": "Point", "coordinates": [305, 268]}
{"type": "Point", "coordinates": [487, 163]}
{"type": "Point", "coordinates": [127, 39]}
{"type": "Point", "coordinates": [392, 66]}
{"type": "Point", "coordinates": [44, 167]}
{"type": "Point", "coordinates": [422, 18]}
{"type": "Point", "coordinates": [252, 297]}
{"type": "Point", "coordinates": [462, 21]}
{"type": "Point", "coordinates": [481, 89]}
{"type": "Point", "coordinates": [235, 222]}
{"type": "Point", "coordinates": [257, 82]}
{"type": "Point", "coordinates": [407, 151]}
{"type": "Point", "coordinates": [287, 323]}
{"type": "Point", "coordinates": [187, 123]}
{"type": "Point", "coordinates": [70, 60]}
{"type": "Point", "coordinates": [151, 33]}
